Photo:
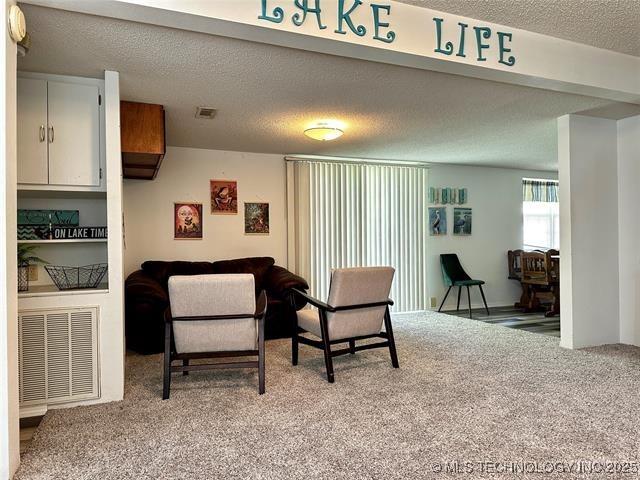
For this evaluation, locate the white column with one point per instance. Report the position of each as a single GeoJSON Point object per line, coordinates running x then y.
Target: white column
{"type": "Point", "coordinates": [112, 321]}
{"type": "Point", "coordinates": [629, 229]}
{"type": "Point", "coordinates": [587, 170]}
{"type": "Point", "coordinates": [9, 429]}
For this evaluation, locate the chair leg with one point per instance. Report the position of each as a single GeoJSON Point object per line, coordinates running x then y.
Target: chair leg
{"type": "Point", "coordinates": [166, 383]}
{"type": "Point", "coordinates": [294, 338]}
{"type": "Point", "coordinates": [327, 346]}
{"type": "Point", "coordinates": [352, 347]}
{"type": "Point", "coordinates": [469, 299]}
{"type": "Point", "coordinates": [261, 388]}
{"type": "Point", "coordinates": [459, 292]}
{"type": "Point", "coordinates": [484, 300]}
{"type": "Point", "coordinates": [185, 363]}
{"type": "Point", "coordinates": [392, 343]}
{"type": "Point", "coordinates": [445, 297]}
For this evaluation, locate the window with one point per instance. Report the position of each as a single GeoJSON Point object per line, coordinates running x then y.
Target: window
{"type": "Point", "coordinates": [540, 215]}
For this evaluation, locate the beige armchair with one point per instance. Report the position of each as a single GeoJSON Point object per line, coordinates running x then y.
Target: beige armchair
{"type": "Point", "coordinates": [213, 316]}
{"type": "Point", "coordinates": [357, 307]}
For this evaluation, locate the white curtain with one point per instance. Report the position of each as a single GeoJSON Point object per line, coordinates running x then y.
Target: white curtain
{"type": "Point", "coordinates": [355, 214]}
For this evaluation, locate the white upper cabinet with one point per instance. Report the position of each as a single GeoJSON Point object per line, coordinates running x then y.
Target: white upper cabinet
{"type": "Point", "coordinates": [74, 134]}
{"type": "Point", "coordinates": [59, 133]}
{"type": "Point", "coordinates": [33, 165]}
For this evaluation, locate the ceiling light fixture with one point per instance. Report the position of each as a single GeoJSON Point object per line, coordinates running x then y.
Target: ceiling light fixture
{"type": "Point", "coordinates": [323, 132]}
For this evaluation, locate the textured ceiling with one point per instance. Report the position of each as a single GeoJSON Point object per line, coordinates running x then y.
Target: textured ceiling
{"type": "Point", "coordinates": [267, 95]}
{"type": "Point", "coordinates": [610, 24]}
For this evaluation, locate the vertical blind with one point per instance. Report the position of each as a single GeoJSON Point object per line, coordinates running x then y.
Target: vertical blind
{"type": "Point", "coordinates": [353, 214]}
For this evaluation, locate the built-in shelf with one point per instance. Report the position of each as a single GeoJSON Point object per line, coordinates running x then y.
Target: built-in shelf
{"type": "Point", "coordinates": [73, 240]}
{"type": "Point", "coordinates": [52, 290]}
{"type": "Point", "coordinates": [45, 192]}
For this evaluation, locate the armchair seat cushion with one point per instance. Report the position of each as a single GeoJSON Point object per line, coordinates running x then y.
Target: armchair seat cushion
{"type": "Point", "coordinates": [309, 319]}
{"type": "Point", "coordinates": [468, 283]}
{"type": "Point", "coordinates": [339, 328]}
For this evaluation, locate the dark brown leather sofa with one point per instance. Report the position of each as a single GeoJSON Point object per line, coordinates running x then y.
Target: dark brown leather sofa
{"type": "Point", "coordinates": [146, 296]}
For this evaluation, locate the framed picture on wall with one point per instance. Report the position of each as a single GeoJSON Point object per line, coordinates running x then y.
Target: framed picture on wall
{"type": "Point", "coordinates": [462, 221]}
{"type": "Point", "coordinates": [224, 197]}
{"type": "Point", "coordinates": [437, 221]}
{"type": "Point", "coordinates": [187, 221]}
{"type": "Point", "coordinates": [256, 218]}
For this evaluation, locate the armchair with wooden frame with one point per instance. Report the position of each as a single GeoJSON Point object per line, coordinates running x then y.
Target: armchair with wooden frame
{"type": "Point", "coordinates": [214, 316]}
{"type": "Point", "coordinates": [357, 307]}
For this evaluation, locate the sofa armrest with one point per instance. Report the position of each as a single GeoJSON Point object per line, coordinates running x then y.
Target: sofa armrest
{"type": "Point", "coordinates": [280, 281]}
{"type": "Point", "coordinates": [140, 286]}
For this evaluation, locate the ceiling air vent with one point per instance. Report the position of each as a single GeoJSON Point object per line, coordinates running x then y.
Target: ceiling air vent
{"type": "Point", "coordinates": [206, 112]}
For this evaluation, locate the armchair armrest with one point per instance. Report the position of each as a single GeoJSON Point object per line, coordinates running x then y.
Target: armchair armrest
{"type": "Point", "coordinates": [328, 308]}
{"type": "Point", "coordinates": [279, 281]}
{"type": "Point", "coordinates": [140, 286]}
{"type": "Point", "coordinates": [313, 301]}
{"type": "Point", "coordinates": [261, 311]}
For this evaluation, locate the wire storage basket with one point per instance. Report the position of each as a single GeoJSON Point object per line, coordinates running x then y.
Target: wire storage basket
{"type": "Point", "coordinates": [70, 278]}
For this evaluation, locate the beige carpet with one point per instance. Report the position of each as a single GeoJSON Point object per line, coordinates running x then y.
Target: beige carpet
{"type": "Point", "coordinates": [488, 397]}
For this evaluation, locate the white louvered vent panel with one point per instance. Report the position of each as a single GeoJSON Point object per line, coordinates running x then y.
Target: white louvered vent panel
{"type": "Point", "coordinates": [83, 358]}
{"type": "Point", "coordinates": [32, 358]}
{"type": "Point", "coordinates": [58, 356]}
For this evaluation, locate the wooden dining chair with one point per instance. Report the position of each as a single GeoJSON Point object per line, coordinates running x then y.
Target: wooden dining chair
{"type": "Point", "coordinates": [541, 275]}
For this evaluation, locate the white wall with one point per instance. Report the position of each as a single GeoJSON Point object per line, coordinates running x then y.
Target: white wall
{"type": "Point", "coordinates": [587, 160]}
{"type": "Point", "coordinates": [9, 432]}
{"type": "Point", "coordinates": [184, 177]}
{"type": "Point", "coordinates": [629, 229]}
{"type": "Point", "coordinates": [495, 195]}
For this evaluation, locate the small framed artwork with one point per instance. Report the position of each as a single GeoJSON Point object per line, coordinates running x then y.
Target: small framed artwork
{"type": "Point", "coordinates": [437, 221]}
{"type": "Point", "coordinates": [224, 197]}
{"type": "Point", "coordinates": [462, 221]}
{"type": "Point", "coordinates": [187, 221]}
{"type": "Point", "coordinates": [256, 218]}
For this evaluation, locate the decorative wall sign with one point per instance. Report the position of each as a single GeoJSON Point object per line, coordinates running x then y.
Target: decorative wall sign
{"type": "Point", "coordinates": [76, 233]}
{"type": "Point", "coordinates": [37, 224]}
{"type": "Point", "coordinates": [462, 221]}
{"type": "Point", "coordinates": [437, 221]}
{"type": "Point", "coordinates": [256, 218]}
{"type": "Point", "coordinates": [357, 19]}
{"type": "Point", "coordinates": [187, 220]}
{"type": "Point", "coordinates": [224, 197]}
{"type": "Point", "coordinates": [448, 195]}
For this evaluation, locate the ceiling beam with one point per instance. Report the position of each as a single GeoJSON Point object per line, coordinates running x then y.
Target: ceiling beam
{"type": "Point", "coordinates": [394, 33]}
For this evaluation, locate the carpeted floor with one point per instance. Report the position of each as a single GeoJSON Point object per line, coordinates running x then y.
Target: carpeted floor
{"type": "Point", "coordinates": [466, 391]}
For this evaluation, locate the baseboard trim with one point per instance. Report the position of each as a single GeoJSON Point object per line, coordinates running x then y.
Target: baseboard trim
{"type": "Point", "coordinates": [33, 411]}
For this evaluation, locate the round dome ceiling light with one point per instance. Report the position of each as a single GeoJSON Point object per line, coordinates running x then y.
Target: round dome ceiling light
{"type": "Point", "coordinates": [323, 132]}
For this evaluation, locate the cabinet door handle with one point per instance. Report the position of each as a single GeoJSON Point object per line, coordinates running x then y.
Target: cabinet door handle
{"type": "Point", "coordinates": [42, 133]}
{"type": "Point", "coordinates": [51, 134]}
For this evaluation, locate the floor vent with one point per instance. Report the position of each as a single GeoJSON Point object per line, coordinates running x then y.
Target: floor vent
{"type": "Point", "coordinates": [58, 355]}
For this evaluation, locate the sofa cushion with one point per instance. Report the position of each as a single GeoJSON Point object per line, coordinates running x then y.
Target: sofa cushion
{"type": "Point", "coordinates": [259, 266]}
{"type": "Point", "coordinates": [161, 271]}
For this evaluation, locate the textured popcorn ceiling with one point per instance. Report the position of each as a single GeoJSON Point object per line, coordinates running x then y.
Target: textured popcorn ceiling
{"type": "Point", "coordinates": [267, 95]}
{"type": "Point", "coordinates": [609, 24]}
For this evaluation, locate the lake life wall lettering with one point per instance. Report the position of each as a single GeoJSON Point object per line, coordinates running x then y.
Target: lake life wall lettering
{"type": "Point", "coordinates": [354, 17]}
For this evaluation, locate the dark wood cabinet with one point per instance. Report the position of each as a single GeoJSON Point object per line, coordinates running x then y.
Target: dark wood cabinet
{"type": "Point", "coordinates": [142, 139]}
